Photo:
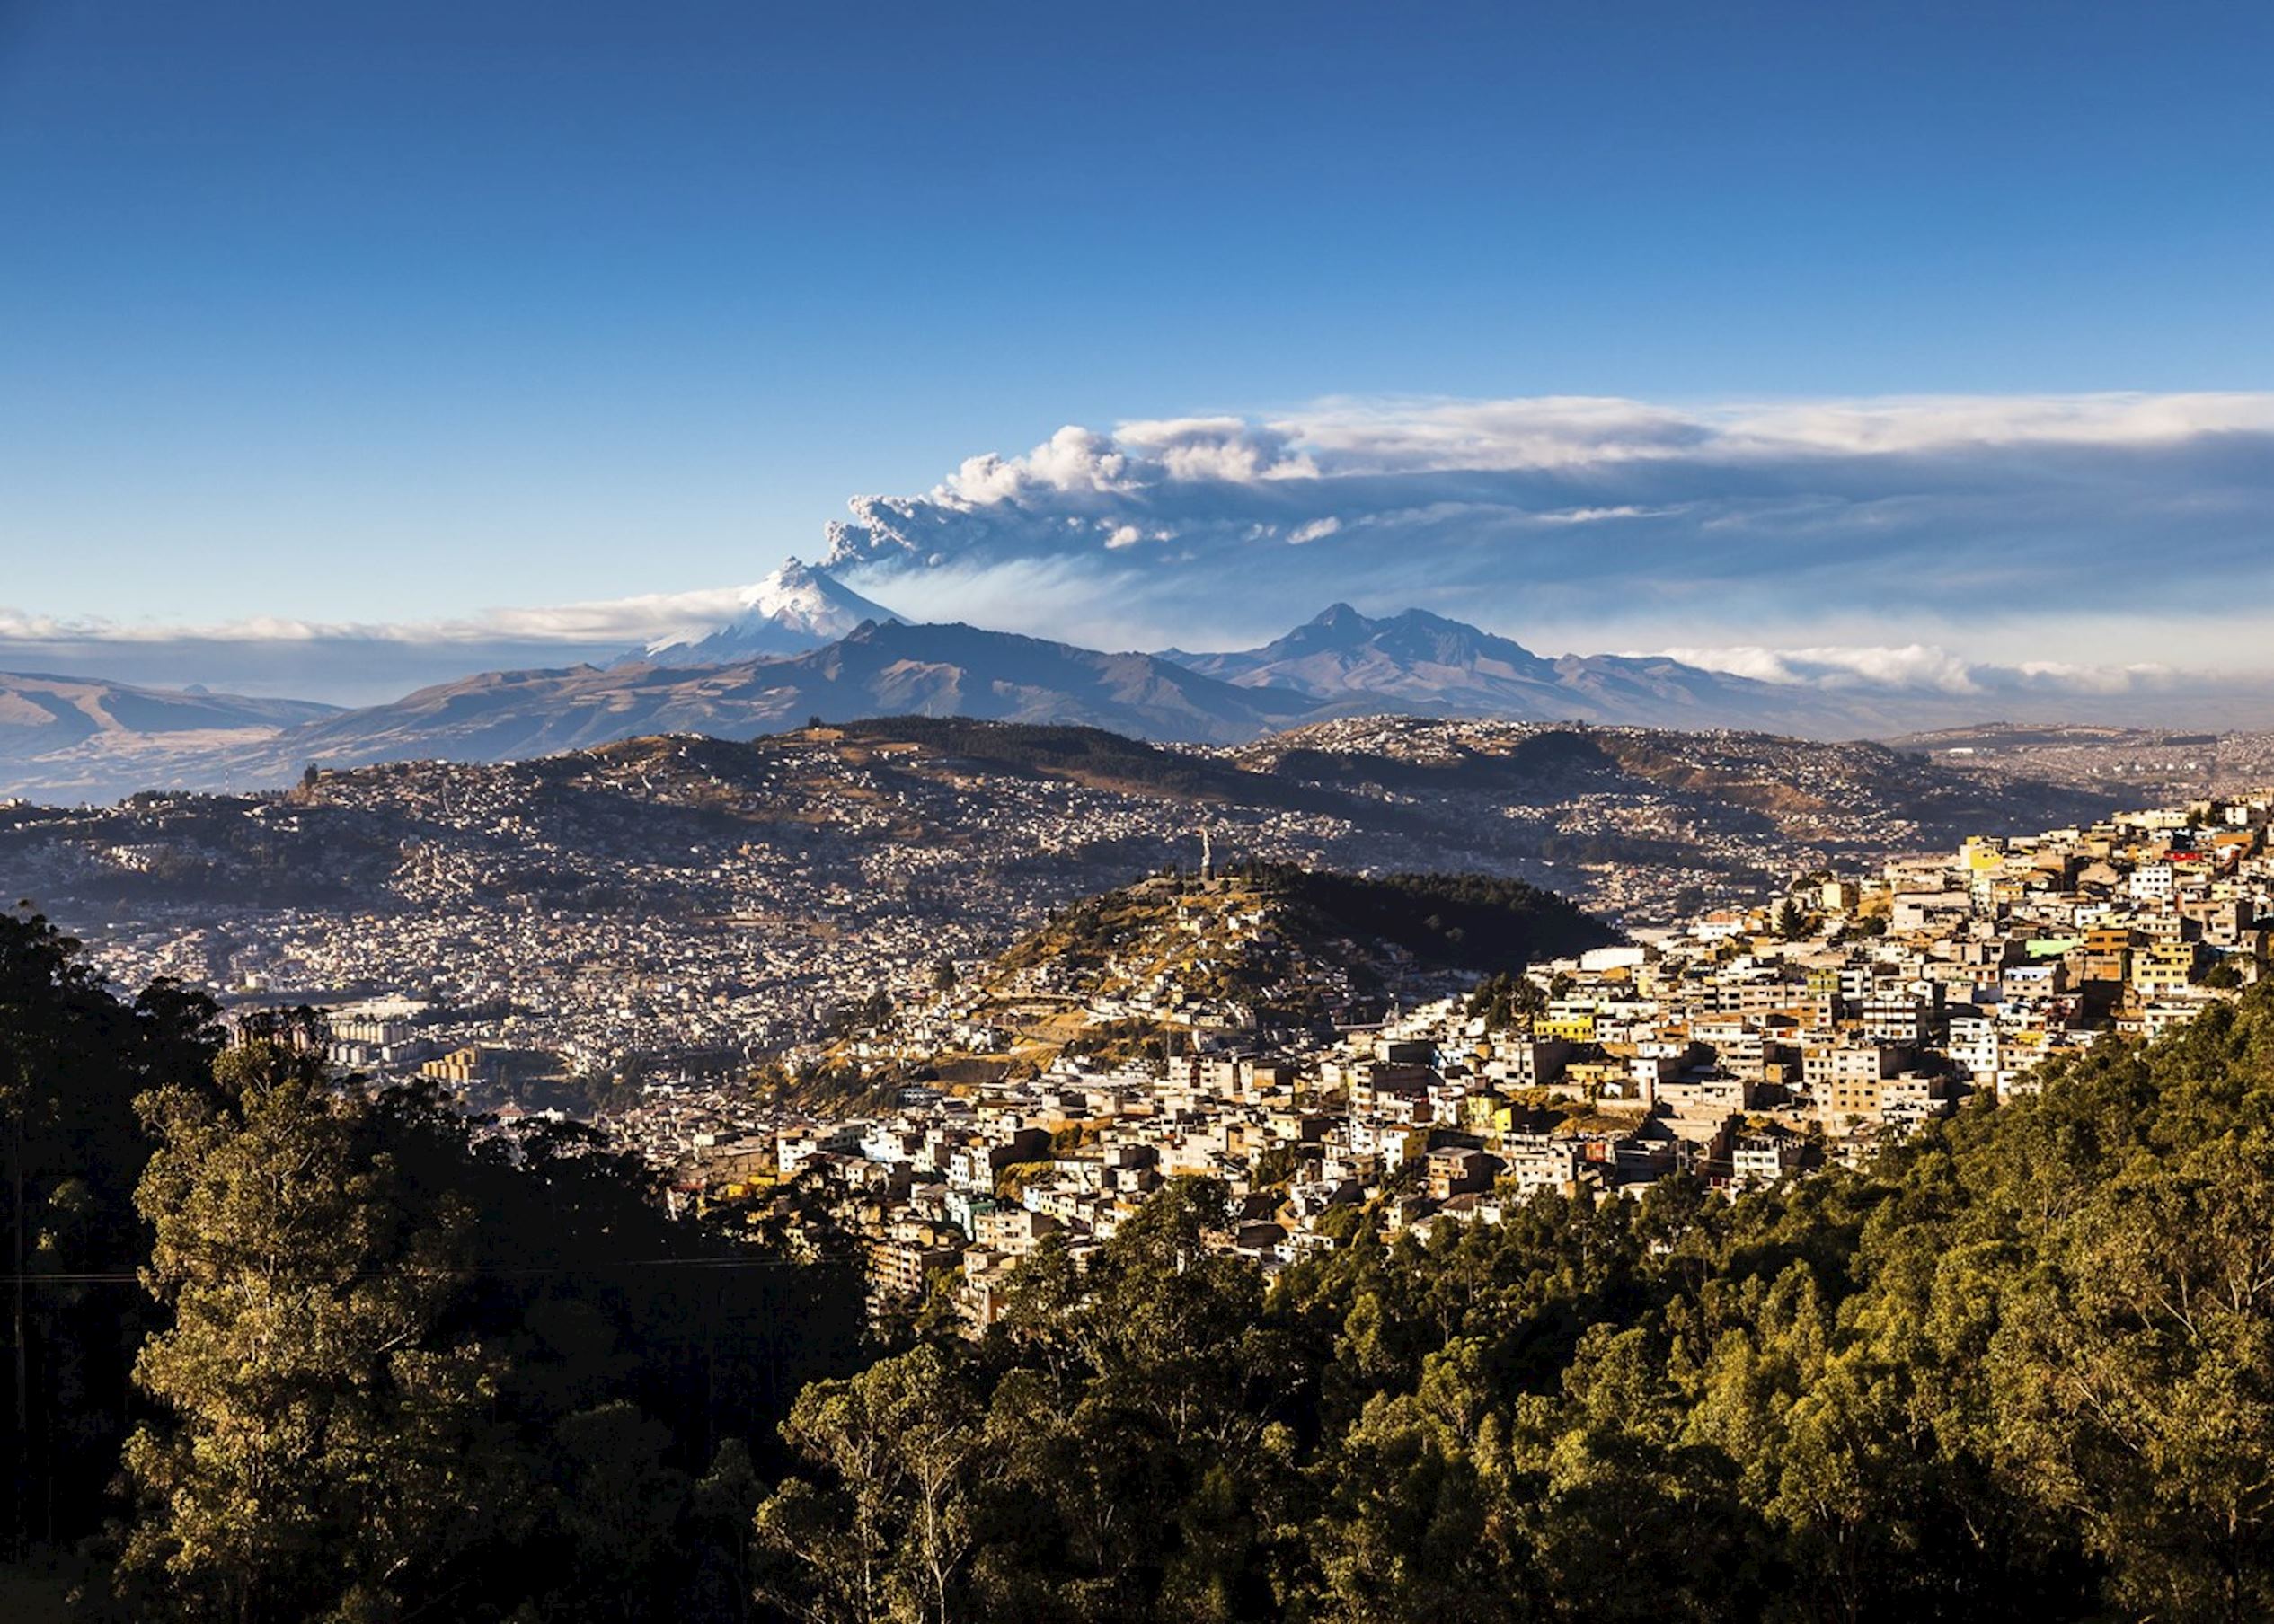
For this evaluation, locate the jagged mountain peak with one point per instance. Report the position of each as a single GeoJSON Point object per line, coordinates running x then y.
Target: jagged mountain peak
{"type": "Point", "coordinates": [1426, 664]}
{"type": "Point", "coordinates": [1340, 626]}
{"type": "Point", "coordinates": [1414, 657]}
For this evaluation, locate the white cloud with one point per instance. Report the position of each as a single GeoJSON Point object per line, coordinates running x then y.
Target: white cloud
{"type": "Point", "coordinates": [1930, 423]}
{"type": "Point", "coordinates": [1913, 667]}
{"type": "Point", "coordinates": [1596, 515]}
{"type": "Point", "coordinates": [1349, 436]}
{"type": "Point", "coordinates": [352, 661]}
{"type": "Point", "coordinates": [612, 622]}
{"type": "Point", "coordinates": [1607, 514]}
{"type": "Point", "coordinates": [1562, 431]}
{"type": "Point", "coordinates": [1926, 668]}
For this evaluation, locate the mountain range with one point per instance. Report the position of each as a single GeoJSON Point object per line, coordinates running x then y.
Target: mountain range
{"type": "Point", "coordinates": [804, 645]}
{"type": "Point", "coordinates": [881, 668]}
{"type": "Point", "coordinates": [1422, 664]}
{"type": "Point", "coordinates": [85, 737]}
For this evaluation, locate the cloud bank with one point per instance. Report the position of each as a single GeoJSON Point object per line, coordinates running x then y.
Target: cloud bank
{"type": "Point", "coordinates": [350, 662]}
{"type": "Point", "coordinates": [1926, 668]}
{"type": "Point", "coordinates": [1699, 525]}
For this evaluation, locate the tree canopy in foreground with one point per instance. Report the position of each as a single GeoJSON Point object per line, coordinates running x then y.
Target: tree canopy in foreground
{"type": "Point", "coordinates": [385, 1366]}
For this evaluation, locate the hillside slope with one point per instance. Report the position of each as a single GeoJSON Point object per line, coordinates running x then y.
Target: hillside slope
{"type": "Point", "coordinates": [1642, 824]}
{"type": "Point", "coordinates": [85, 738]}
{"type": "Point", "coordinates": [1267, 946]}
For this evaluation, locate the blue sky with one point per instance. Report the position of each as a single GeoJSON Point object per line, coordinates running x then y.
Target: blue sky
{"type": "Point", "coordinates": [395, 312]}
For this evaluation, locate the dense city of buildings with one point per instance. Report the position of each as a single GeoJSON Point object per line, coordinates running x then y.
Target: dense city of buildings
{"type": "Point", "coordinates": [1748, 1044]}
{"type": "Point", "coordinates": [701, 943]}
{"type": "Point", "coordinates": [682, 906]}
{"type": "Point", "coordinates": [2146, 764]}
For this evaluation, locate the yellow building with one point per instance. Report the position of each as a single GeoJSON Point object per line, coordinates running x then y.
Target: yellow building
{"type": "Point", "coordinates": [1566, 1028]}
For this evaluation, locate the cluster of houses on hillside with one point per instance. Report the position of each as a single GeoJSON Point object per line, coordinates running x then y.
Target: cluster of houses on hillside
{"type": "Point", "coordinates": [1745, 1047]}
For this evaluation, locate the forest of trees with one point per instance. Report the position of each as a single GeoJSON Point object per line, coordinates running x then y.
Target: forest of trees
{"type": "Point", "coordinates": [379, 1367]}
{"type": "Point", "coordinates": [281, 1349]}
{"type": "Point", "coordinates": [2021, 1363]}
{"type": "Point", "coordinates": [1471, 921]}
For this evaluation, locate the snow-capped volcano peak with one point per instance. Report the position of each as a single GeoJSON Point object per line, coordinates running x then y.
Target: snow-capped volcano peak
{"type": "Point", "coordinates": [796, 608]}
{"type": "Point", "coordinates": [798, 597]}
